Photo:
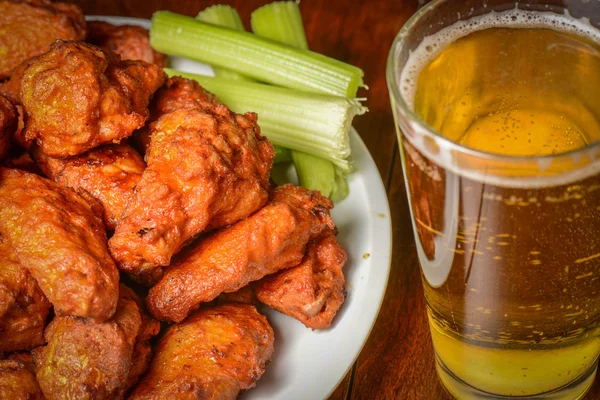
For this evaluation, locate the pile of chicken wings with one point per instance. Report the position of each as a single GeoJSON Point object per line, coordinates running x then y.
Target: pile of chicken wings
{"type": "Point", "coordinates": [127, 199]}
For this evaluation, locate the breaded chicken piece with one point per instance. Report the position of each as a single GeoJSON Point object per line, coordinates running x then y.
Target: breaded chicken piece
{"type": "Point", "coordinates": [177, 93]}
{"type": "Point", "coordinates": [313, 291]}
{"type": "Point", "coordinates": [88, 360]}
{"type": "Point", "coordinates": [206, 169]}
{"type": "Point", "coordinates": [29, 27]}
{"type": "Point", "coordinates": [129, 41]}
{"type": "Point", "coordinates": [142, 350]}
{"type": "Point", "coordinates": [8, 125]}
{"type": "Point", "coordinates": [214, 354]}
{"type": "Point", "coordinates": [108, 173]}
{"type": "Point", "coordinates": [77, 97]}
{"type": "Point", "coordinates": [17, 378]}
{"type": "Point", "coordinates": [59, 237]}
{"type": "Point", "coordinates": [272, 239]}
{"type": "Point", "coordinates": [23, 306]}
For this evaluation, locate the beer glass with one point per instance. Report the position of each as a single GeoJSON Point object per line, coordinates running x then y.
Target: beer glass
{"type": "Point", "coordinates": [497, 108]}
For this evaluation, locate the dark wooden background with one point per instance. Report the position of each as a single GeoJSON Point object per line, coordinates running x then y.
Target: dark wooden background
{"type": "Point", "coordinates": [397, 361]}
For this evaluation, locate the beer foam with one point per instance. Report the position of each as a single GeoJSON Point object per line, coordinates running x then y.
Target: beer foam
{"type": "Point", "coordinates": [433, 45]}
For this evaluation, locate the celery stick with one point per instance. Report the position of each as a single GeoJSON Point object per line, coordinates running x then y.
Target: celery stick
{"type": "Point", "coordinates": [314, 173]}
{"type": "Point", "coordinates": [221, 15]}
{"type": "Point", "coordinates": [313, 123]}
{"type": "Point", "coordinates": [280, 21]}
{"type": "Point", "coordinates": [227, 17]}
{"type": "Point", "coordinates": [341, 189]}
{"type": "Point", "coordinates": [282, 155]}
{"type": "Point", "coordinates": [250, 55]}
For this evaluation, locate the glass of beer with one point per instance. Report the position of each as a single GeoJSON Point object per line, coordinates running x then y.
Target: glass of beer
{"type": "Point", "coordinates": [497, 107]}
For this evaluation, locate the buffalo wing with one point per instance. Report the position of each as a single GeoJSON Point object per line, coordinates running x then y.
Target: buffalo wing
{"type": "Point", "coordinates": [214, 354]}
{"type": "Point", "coordinates": [272, 239]}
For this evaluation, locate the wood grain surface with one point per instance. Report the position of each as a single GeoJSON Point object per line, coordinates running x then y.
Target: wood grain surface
{"type": "Point", "coordinates": [397, 361]}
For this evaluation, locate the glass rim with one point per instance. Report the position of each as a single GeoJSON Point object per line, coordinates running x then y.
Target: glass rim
{"type": "Point", "coordinates": [430, 132]}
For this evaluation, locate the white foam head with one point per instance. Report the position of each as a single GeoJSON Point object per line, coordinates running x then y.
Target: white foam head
{"type": "Point", "coordinates": [432, 45]}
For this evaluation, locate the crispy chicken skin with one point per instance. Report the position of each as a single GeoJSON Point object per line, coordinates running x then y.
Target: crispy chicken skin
{"type": "Point", "coordinates": [313, 291]}
{"type": "Point", "coordinates": [272, 239]}
{"type": "Point", "coordinates": [129, 41]}
{"type": "Point", "coordinates": [59, 237]}
{"type": "Point", "coordinates": [29, 27]}
{"type": "Point", "coordinates": [177, 93]}
{"type": "Point", "coordinates": [23, 306]}
{"type": "Point", "coordinates": [88, 360]}
{"type": "Point", "coordinates": [8, 125]}
{"type": "Point", "coordinates": [77, 97]}
{"type": "Point", "coordinates": [17, 378]}
{"type": "Point", "coordinates": [214, 354]}
{"type": "Point", "coordinates": [206, 169]}
{"type": "Point", "coordinates": [108, 173]}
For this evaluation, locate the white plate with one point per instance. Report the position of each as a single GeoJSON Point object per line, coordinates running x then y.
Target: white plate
{"type": "Point", "coordinates": [307, 364]}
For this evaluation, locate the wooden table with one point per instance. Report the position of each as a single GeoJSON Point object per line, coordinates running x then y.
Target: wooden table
{"type": "Point", "coordinates": [397, 361]}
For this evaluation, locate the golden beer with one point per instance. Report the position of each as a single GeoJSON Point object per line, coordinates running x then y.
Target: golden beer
{"type": "Point", "coordinates": [510, 256]}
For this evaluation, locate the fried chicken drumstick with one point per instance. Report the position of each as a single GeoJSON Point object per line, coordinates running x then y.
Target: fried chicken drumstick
{"type": "Point", "coordinates": [270, 240]}
{"type": "Point", "coordinates": [313, 291]}
{"type": "Point", "coordinates": [108, 173]}
{"type": "Point", "coordinates": [29, 27]}
{"type": "Point", "coordinates": [88, 360]}
{"type": "Point", "coordinates": [207, 168]}
{"type": "Point", "coordinates": [60, 239]}
{"type": "Point", "coordinates": [214, 354]}
{"type": "Point", "coordinates": [77, 97]}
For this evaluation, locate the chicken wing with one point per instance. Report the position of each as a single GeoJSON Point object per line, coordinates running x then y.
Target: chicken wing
{"type": "Point", "coordinates": [23, 306]}
{"type": "Point", "coordinates": [109, 173]}
{"type": "Point", "coordinates": [8, 125]}
{"type": "Point", "coordinates": [88, 360]}
{"type": "Point", "coordinates": [214, 354]}
{"type": "Point", "coordinates": [272, 239]}
{"type": "Point", "coordinates": [17, 378]}
{"type": "Point", "coordinates": [57, 235]}
{"type": "Point", "coordinates": [29, 27]}
{"type": "Point", "coordinates": [129, 41]}
{"type": "Point", "coordinates": [77, 97]}
{"type": "Point", "coordinates": [313, 291]}
{"type": "Point", "coordinates": [206, 169]}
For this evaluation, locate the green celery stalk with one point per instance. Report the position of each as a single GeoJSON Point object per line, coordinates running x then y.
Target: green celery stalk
{"type": "Point", "coordinates": [314, 173]}
{"type": "Point", "coordinates": [221, 15]}
{"type": "Point", "coordinates": [341, 190]}
{"type": "Point", "coordinates": [314, 123]}
{"type": "Point", "coordinates": [282, 155]}
{"type": "Point", "coordinates": [227, 17]}
{"type": "Point", "coordinates": [282, 22]}
{"type": "Point", "coordinates": [260, 59]}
